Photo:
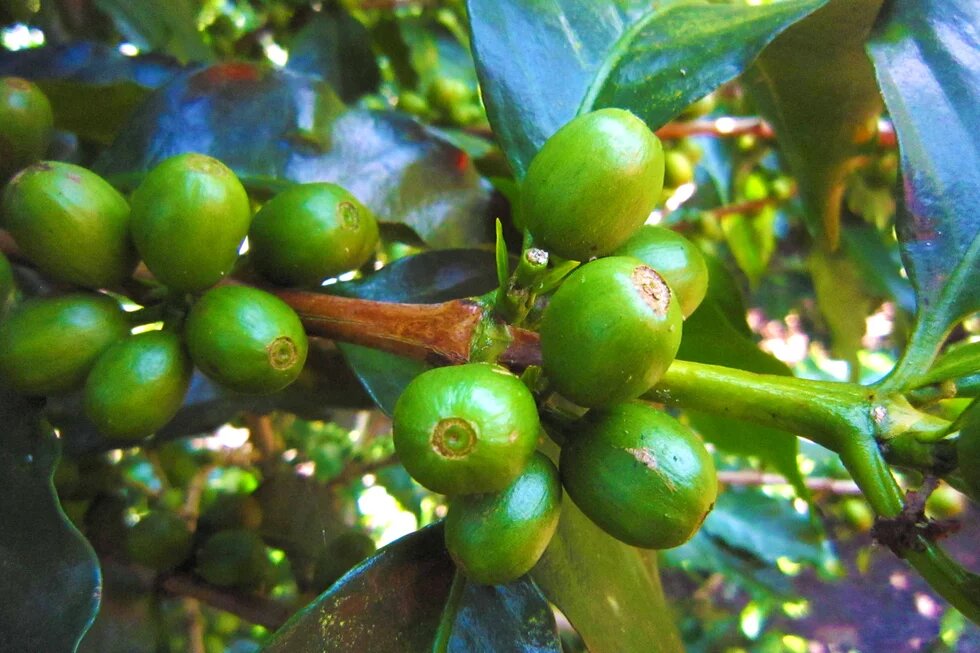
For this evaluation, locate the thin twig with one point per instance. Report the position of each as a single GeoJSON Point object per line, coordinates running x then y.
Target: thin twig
{"type": "Point", "coordinates": [817, 484]}
{"type": "Point", "coordinates": [194, 625]}
{"type": "Point", "coordinates": [190, 510]}
{"type": "Point", "coordinates": [354, 471]}
{"type": "Point", "coordinates": [253, 609]}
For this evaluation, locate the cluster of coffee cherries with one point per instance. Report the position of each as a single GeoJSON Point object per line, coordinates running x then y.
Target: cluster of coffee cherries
{"type": "Point", "coordinates": [186, 221]}
{"type": "Point", "coordinates": [607, 335]}
{"type": "Point", "coordinates": [230, 541]}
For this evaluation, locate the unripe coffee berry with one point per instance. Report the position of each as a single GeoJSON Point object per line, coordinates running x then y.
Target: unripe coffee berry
{"type": "Point", "coordinates": [592, 184]}
{"type": "Point", "coordinates": [189, 217]}
{"type": "Point", "coordinates": [610, 331]}
{"type": "Point", "coordinates": [466, 428]}
{"type": "Point", "coordinates": [310, 232]}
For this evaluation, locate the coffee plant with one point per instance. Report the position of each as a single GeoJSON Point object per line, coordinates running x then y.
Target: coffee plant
{"type": "Point", "coordinates": [486, 325]}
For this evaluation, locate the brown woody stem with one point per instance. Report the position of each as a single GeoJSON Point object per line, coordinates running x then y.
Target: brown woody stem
{"type": "Point", "coordinates": [441, 334]}
{"type": "Point", "coordinates": [252, 608]}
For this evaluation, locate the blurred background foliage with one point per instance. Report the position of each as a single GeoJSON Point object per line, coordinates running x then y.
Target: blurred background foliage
{"type": "Point", "coordinates": [784, 563]}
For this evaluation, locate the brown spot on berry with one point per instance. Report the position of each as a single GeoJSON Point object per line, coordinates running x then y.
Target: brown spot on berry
{"type": "Point", "coordinates": [453, 437]}
{"type": "Point", "coordinates": [282, 353]}
{"type": "Point", "coordinates": [652, 288]}
{"type": "Point", "coordinates": [18, 84]}
{"type": "Point", "coordinates": [350, 217]}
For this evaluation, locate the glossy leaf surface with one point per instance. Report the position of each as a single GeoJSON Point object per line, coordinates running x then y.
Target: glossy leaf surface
{"type": "Point", "coordinates": [816, 87]}
{"type": "Point", "coordinates": [336, 48]}
{"type": "Point", "coordinates": [394, 602]}
{"type": "Point", "coordinates": [606, 588]}
{"type": "Point", "coordinates": [51, 581]}
{"type": "Point", "coordinates": [927, 59]}
{"type": "Point", "coordinates": [960, 360]}
{"type": "Point", "coordinates": [168, 26]}
{"type": "Point", "coordinates": [540, 64]}
{"type": "Point", "coordinates": [293, 128]}
{"type": "Point", "coordinates": [745, 535]}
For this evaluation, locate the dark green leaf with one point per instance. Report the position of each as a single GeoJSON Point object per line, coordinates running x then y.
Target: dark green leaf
{"type": "Point", "coordinates": [435, 52]}
{"type": "Point", "coordinates": [877, 258]}
{"type": "Point", "coordinates": [287, 126]}
{"type": "Point", "coordinates": [129, 617]}
{"type": "Point", "coordinates": [387, 36]}
{"type": "Point", "coordinates": [709, 555]}
{"type": "Point", "coordinates": [709, 337]}
{"type": "Point", "coordinates": [93, 112]}
{"type": "Point", "coordinates": [542, 63]}
{"type": "Point", "coordinates": [88, 63]}
{"type": "Point", "coordinates": [384, 376]}
{"type": "Point", "coordinates": [958, 361]}
{"type": "Point", "coordinates": [299, 514]}
{"type": "Point", "coordinates": [168, 26]}
{"type": "Point", "coordinates": [744, 537]}
{"type": "Point", "coordinates": [768, 528]}
{"type": "Point", "coordinates": [50, 578]}
{"type": "Point", "coordinates": [93, 89]}
{"type": "Point", "coordinates": [394, 602]}
{"type": "Point", "coordinates": [844, 302]}
{"type": "Point", "coordinates": [426, 278]}
{"type": "Point", "coordinates": [336, 48]}
{"type": "Point", "coordinates": [815, 84]}
{"type": "Point", "coordinates": [608, 591]}
{"type": "Point", "coordinates": [927, 58]}
{"type": "Point", "coordinates": [752, 239]}
{"type": "Point", "coordinates": [725, 292]}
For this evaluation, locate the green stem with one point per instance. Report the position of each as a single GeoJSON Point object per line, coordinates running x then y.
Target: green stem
{"type": "Point", "coordinates": [845, 418]}
{"type": "Point", "coordinates": [820, 411]}
{"type": "Point", "coordinates": [449, 612]}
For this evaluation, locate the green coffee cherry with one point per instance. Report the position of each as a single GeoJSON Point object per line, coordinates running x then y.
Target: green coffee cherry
{"type": "Point", "coordinates": [465, 429]}
{"type": "Point", "coordinates": [26, 122]}
{"type": "Point", "coordinates": [639, 474]}
{"type": "Point", "coordinates": [232, 511]}
{"type": "Point", "coordinates": [610, 331]}
{"type": "Point", "coordinates": [161, 540]}
{"type": "Point", "coordinates": [412, 102]}
{"type": "Point", "coordinates": [675, 258]}
{"type": "Point", "coordinates": [246, 339]}
{"type": "Point", "coordinates": [690, 149]}
{"type": "Point", "coordinates": [858, 514]}
{"type": "Point", "coordinates": [592, 184]}
{"type": "Point", "coordinates": [138, 385]}
{"type": "Point", "coordinates": [445, 93]}
{"type": "Point", "coordinates": [71, 223]}
{"type": "Point", "coordinates": [945, 503]}
{"type": "Point", "coordinates": [755, 188]}
{"type": "Point", "coordinates": [677, 169]}
{"type": "Point", "coordinates": [189, 217]}
{"type": "Point", "coordinates": [342, 554]}
{"type": "Point", "coordinates": [496, 538]}
{"type": "Point", "coordinates": [310, 232]}
{"type": "Point", "coordinates": [48, 346]}
{"type": "Point", "coordinates": [7, 285]}
{"type": "Point", "coordinates": [235, 558]}
{"type": "Point", "coordinates": [700, 108]}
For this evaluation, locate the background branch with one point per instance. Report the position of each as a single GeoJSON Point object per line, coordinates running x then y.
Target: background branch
{"type": "Point", "coordinates": [254, 609]}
